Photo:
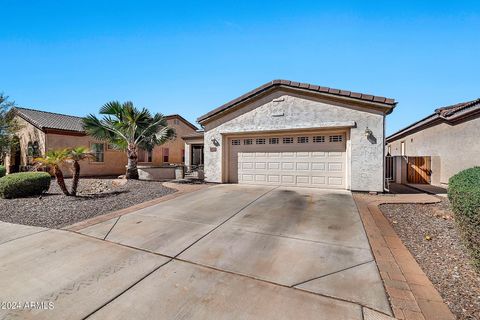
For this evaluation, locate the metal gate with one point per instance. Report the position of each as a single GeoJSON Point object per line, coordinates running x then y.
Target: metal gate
{"type": "Point", "coordinates": [389, 168]}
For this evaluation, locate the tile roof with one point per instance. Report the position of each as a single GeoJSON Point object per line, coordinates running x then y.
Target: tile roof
{"type": "Point", "coordinates": [457, 109]}
{"type": "Point", "coordinates": [198, 134]}
{"type": "Point", "coordinates": [49, 120]}
{"type": "Point", "coordinates": [298, 85]}
{"type": "Point", "coordinates": [448, 114]}
{"type": "Point", "coordinates": [188, 123]}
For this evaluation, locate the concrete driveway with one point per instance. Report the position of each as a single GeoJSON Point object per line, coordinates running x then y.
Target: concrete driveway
{"type": "Point", "coordinates": [225, 252]}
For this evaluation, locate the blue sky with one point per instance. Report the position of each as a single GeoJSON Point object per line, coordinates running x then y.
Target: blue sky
{"type": "Point", "coordinates": [189, 57]}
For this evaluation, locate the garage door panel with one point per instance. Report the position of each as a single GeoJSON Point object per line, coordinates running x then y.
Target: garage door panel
{"type": "Point", "coordinates": [273, 165]}
{"type": "Point", "coordinates": [287, 154]}
{"type": "Point", "coordinates": [261, 177]}
{"type": "Point", "coordinates": [273, 178]}
{"type": "Point", "coordinates": [303, 154]}
{"type": "Point", "coordinates": [289, 179]}
{"type": "Point", "coordinates": [303, 180]}
{"type": "Point", "coordinates": [303, 166]}
{"type": "Point", "coordinates": [260, 165]}
{"type": "Point", "coordinates": [287, 165]}
{"type": "Point", "coordinates": [247, 165]}
{"type": "Point", "coordinates": [335, 181]}
{"type": "Point", "coordinates": [318, 166]}
{"type": "Point", "coordinates": [310, 164]}
{"type": "Point", "coordinates": [335, 167]}
{"type": "Point", "coordinates": [318, 180]}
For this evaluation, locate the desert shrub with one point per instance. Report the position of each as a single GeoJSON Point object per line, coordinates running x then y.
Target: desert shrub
{"type": "Point", "coordinates": [3, 171]}
{"type": "Point", "coordinates": [24, 184]}
{"type": "Point", "coordinates": [464, 194]}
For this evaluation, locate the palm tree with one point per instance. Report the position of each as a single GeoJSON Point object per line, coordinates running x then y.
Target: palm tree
{"type": "Point", "coordinates": [75, 155]}
{"type": "Point", "coordinates": [54, 159]}
{"type": "Point", "coordinates": [127, 128]}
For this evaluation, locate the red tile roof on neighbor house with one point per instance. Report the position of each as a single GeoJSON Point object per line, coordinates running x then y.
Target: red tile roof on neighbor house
{"type": "Point", "coordinates": [45, 120]}
{"type": "Point", "coordinates": [196, 135]}
{"type": "Point", "coordinates": [449, 114]}
{"type": "Point", "coordinates": [299, 85]}
{"type": "Point", "coordinates": [50, 120]}
{"type": "Point", "coordinates": [457, 109]}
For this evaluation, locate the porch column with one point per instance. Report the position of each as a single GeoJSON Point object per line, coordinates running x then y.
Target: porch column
{"type": "Point", "coordinates": [188, 153]}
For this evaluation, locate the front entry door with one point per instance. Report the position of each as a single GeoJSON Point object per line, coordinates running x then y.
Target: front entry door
{"type": "Point", "coordinates": [197, 155]}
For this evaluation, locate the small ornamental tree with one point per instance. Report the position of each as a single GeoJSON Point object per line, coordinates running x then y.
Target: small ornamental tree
{"type": "Point", "coordinates": [8, 127]}
{"type": "Point", "coordinates": [75, 155]}
{"type": "Point", "coordinates": [55, 159]}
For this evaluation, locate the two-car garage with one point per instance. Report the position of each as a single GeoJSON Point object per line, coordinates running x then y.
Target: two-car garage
{"type": "Point", "coordinates": [303, 159]}
{"type": "Point", "coordinates": [298, 134]}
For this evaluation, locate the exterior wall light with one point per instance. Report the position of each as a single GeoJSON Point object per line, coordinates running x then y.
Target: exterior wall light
{"type": "Point", "coordinates": [215, 142]}
{"type": "Point", "coordinates": [368, 133]}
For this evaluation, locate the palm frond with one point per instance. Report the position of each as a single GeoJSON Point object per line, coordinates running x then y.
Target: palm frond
{"type": "Point", "coordinates": [113, 108]}
{"type": "Point", "coordinates": [79, 153]}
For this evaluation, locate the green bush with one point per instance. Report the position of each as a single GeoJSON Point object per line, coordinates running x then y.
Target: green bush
{"type": "Point", "coordinates": [24, 184]}
{"type": "Point", "coordinates": [464, 194]}
{"type": "Point", "coordinates": [3, 171]}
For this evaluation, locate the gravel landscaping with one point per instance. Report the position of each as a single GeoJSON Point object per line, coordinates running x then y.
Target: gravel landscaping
{"type": "Point", "coordinates": [95, 197]}
{"type": "Point", "coordinates": [429, 232]}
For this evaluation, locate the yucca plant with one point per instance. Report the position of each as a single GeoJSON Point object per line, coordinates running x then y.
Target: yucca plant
{"type": "Point", "coordinates": [54, 159]}
{"type": "Point", "coordinates": [128, 128]}
{"type": "Point", "coordinates": [75, 155]}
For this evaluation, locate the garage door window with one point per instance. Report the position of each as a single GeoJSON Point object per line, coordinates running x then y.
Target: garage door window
{"type": "Point", "coordinates": [302, 140]}
{"type": "Point", "coordinates": [247, 141]}
{"type": "Point", "coordinates": [337, 138]}
{"type": "Point", "coordinates": [260, 141]}
{"type": "Point", "coordinates": [235, 142]}
{"type": "Point", "coordinates": [273, 140]}
{"type": "Point", "coordinates": [287, 140]}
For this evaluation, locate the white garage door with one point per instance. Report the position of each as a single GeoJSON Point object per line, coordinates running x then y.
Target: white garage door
{"type": "Point", "coordinates": [316, 160]}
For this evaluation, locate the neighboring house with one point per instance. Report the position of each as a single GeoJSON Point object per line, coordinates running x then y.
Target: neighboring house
{"type": "Point", "coordinates": [297, 134]}
{"type": "Point", "coordinates": [437, 147]}
{"type": "Point", "coordinates": [43, 131]}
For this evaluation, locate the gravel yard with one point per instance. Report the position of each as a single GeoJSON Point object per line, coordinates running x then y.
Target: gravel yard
{"type": "Point", "coordinates": [95, 197]}
{"type": "Point", "coordinates": [443, 258]}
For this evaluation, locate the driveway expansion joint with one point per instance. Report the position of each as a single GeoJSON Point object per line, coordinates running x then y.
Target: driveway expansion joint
{"type": "Point", "coordinates": [334, 272]}
{"type": "Point", "coordinates": [104, 238]}
{"type": "Point", "coordinates": [25, 236]}
{"type": "Point", "coordinates": [126, 289]}
{"type": "Point", "coordinates": [273, 283]}
{"type": "Point", "coordinates": [327, 243]}
{"type": "Point", "coordinates": [225, 221]}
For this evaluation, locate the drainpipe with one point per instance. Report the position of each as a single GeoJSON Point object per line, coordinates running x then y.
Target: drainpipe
{"type": "Point", "coordinates": [384, 180]}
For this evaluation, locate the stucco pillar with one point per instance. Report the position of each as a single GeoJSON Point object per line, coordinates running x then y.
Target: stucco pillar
{"type": "Point", "coordinates": [188, 152]}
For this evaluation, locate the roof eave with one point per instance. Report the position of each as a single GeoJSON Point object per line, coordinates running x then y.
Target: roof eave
{"type": "Point", "coordinates": [216, 113]}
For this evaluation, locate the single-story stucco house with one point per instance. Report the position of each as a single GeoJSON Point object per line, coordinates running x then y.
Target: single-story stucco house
{"type": "Point", "coordinates": [295, 134]}
{"type": "Point", "coordinates": [438, 146]}
{"type": "Point", "coordinates": [42, 131]}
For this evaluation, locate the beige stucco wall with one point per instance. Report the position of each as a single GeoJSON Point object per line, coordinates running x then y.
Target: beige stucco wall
{"type": "Point", "coordinates": [176, 147]}
{"type": "Point", "coordinates": [455, 147]}
{"type": "Point", "coordinates": [114, 161]}
{"type": "Point", "coordinates": [26, 134]}
{"type": "Point", "coordinates": [364, 158]}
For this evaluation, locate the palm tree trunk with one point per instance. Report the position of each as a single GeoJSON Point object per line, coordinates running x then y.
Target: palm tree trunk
{"type": "Point", "coordinates": [60, 180]}
{"type": "Point", "coordinates": [76, 178]}
{"type": "Point", "coordinates": [132, 170]}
